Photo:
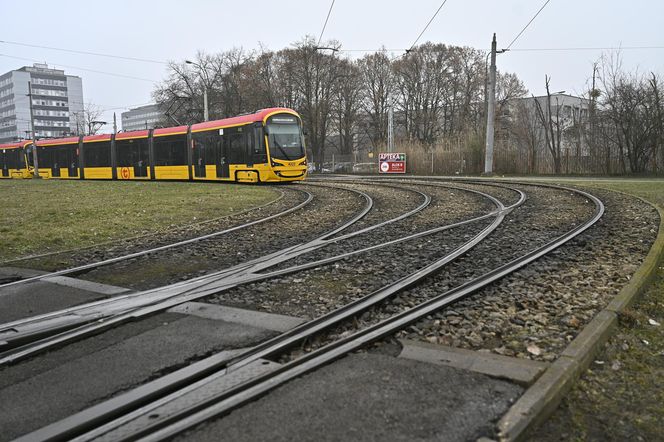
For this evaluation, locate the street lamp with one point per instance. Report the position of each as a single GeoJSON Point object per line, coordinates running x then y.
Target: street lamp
{"type": "Point", "coordinates": [206, 115]}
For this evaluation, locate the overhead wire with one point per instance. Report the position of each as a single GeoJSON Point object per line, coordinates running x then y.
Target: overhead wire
{"type": "Point", "coordinates": [75, 51]}
{"type": "Point", "coordinates": [427, 26]}
{"type": "Point", "coordinates": [527, 24]}
{"type": "Point", "coordinates": [82, 69]}
{"type": "Point", "coordinates": [586, 48]}
{"type": "Point", "coordinates": [325, 24]}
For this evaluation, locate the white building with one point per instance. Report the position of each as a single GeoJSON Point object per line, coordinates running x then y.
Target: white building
{"type": "Point", "coordinates": [56, 100]}
{"type": "Point", "coordinates": [141, 118]}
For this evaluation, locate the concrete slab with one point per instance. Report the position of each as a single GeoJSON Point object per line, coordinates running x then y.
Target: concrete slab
{"type": "Point", "coordinates": [268, 321]}
{"type": "Point", "coordinates": [370, 397]}
{"type": "Point", "coordinates": [539, 400]}
{"type": "Point", "coordinates": [53, 293]}
{"type": "Point", "coordinates": [521, 371]}
{"type": "Point", "coordinates": [51, 387]}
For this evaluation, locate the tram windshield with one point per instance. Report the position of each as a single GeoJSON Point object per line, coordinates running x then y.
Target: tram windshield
{"type": "Point", "coordinates": [285, 137]}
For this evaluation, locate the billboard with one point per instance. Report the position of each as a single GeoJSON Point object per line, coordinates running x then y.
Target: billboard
{"type": "Point", "coordinates": [389, 162]}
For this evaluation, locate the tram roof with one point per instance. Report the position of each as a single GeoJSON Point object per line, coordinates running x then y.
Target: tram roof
{"type": "Point", "coordinates": [242, 119]}
{"type": "Point", "coordinates": [258, 116]}
{"type": "Point", "coordinates": [15, 144]}
{"type": "Point", "coordinates": [57, 141]}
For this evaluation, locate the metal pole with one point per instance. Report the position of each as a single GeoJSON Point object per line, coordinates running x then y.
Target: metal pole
{"type": "Point", "coordinates": [34, 135]}
{"type": "Point", "coordinates": [206, 114]}
{"type": "Point", "coordinates": [491, 110]}
{"type": "Point", "coordinates": [390, 125]}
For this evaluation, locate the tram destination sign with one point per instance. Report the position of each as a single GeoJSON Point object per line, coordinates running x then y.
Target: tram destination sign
{"type": "Point", "coordinates": [389, 162]}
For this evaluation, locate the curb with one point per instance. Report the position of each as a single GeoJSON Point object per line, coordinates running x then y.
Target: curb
{"type": "Point", "coordinates": [544, 396]}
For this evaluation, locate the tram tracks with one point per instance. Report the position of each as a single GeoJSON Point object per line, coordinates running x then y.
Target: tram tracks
{"type": "Point", "coordinates": [16, 335]}
{"type": "Point", "coordinates": [229, 387]}
{"type": "Point", "coordinates": [256, 357]}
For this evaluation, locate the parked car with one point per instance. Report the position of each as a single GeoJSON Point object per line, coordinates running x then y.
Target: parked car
{"type": "Point", "coordinates": [345, 167]}
{"type": "Point", "coordinates": [365, 168]}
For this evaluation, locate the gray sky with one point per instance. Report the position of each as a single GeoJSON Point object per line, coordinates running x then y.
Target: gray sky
{"type": "Point", "coordinates": [175, 30]}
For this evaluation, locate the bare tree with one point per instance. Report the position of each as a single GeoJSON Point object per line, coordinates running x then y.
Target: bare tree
{"type": "Point", "coordinates": [527, 131]}
{"type": "Point", "coordinates": [347, 104]}
{"type": "Point", "coordinates": [377, 84]}
{"type": "Point", "coordinates": [181, 94]}
{"type": "Point", "coordinates": [315, 75]}
{"type": "Point", "coordinates": [87, 121]}
{"type": "Point", "coordinates": [552, 125]}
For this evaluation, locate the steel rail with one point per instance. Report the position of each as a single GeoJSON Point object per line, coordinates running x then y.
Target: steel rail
{"type": "Point", "coordinates": [60, 326]}
{"type": "Point", "coordinates": [28, 330]}
{"type": "Point", "coordinates": [102, 302]}
{"type": "Point", "coordinates": [281, 196]}
{"type": "Point", "coordinates": [71, 322]}
{"type": "Point", "coordinates": [94, 265]}
{"type": "Point", "coordinates": [116, 406]}
{"type": "Point", "coordinates": [254, 388]}
{"type": "Point", "coordinates": [63, 327]}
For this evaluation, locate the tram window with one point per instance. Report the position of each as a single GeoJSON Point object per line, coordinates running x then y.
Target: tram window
{"type": "Point", "coordinates": [237, 147]}
{"type": "Point", "coordinates": [132, 152]}
{"type": "Point", "coordinates": [97, 154]}
{"type": "Point", "coordinates": [11, 158]}
{"type": "Point", "coordinates": [258, 154]}
{"type": "Point", "coordinates": [66, 156]}
{"type": "Point", "coordinates": [170, 150]}
{"type": "Point", "coordinates": [45, 156]}
{"type": "Point", "coordinates": [206, 145]}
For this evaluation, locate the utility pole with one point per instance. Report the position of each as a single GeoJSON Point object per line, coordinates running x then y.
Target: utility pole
{"type": "Point", "coordinates": [390, 124]}
{"type": "Point", "coordinates": [115, 124]}
{"type": "Point", "coordinates": [206, 113]}
{"type": "Point", "coordinates": [491, 111]}
{"type": "Point", "coordinates": [35, 174]}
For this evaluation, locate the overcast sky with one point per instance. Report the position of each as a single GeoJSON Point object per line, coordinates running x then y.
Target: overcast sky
{"type": "Point", "coordinates": [176, 30]}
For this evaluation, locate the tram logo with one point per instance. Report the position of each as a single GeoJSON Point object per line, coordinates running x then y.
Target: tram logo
{"type": "Point", "coordinates": [124, 172]}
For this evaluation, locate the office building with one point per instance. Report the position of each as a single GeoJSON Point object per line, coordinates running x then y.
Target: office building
{"type": "Point", "coordinates": [141, 118]}
{"type": "Point", "coordinates": [57, 102]}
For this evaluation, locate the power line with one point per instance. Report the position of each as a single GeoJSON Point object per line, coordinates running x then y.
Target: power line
{"type": "Point", "coordinates": [528, 24]}
{"type": "Point", "coordinates": [586, 48]}
{"type": "Point", "coordinates": [74, 51]}
{"type": "Point", "coordinates": [325, 25]}
{"type": "Point", "coordinates": [82, 69]}
{"type": "Point", "coordinates": [427, 26]}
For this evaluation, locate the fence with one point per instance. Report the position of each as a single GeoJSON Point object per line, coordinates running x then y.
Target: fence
{"type": "Point", "coordinates": [467, 158]}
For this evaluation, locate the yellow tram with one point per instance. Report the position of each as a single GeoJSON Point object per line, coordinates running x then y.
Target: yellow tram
{"type": "Point", "coordinates": [266, 146]}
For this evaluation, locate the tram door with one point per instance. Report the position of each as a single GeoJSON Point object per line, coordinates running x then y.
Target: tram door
{"type": "Point", "coordinates": [199, 159]}
{"type": "Point", "coordinates": [55, 158]}
{"type": "Point", "coordinates": [72, 161]}
{"type": "Point", "coordinates": [4, 160]}
{"type": "Point", "coordinates": [222, 155]}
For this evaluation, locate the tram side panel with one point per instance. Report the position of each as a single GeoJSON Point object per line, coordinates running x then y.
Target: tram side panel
{"type": "Point", "coordinates": [133, 159]}
{"type": "Point", "coordinates": [97, 157]}
{"type": "Point", "coordinates": [170, 156]}
{"type": "Point", "coordinates": [58, 161]}
{"type": "Point", "coordinates": [12, 162]}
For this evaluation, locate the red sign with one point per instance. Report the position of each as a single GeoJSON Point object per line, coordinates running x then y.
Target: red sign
{"type": "Point", "coordinates": [389, 162]}
{"type": "Point", "coordinates": [125, 173]}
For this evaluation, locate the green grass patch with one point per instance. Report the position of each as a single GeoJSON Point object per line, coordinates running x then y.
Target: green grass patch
{"type": "Point", "coordinates": [621, 396]}
{"type": "Point", "coordinates": [40, 216]}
